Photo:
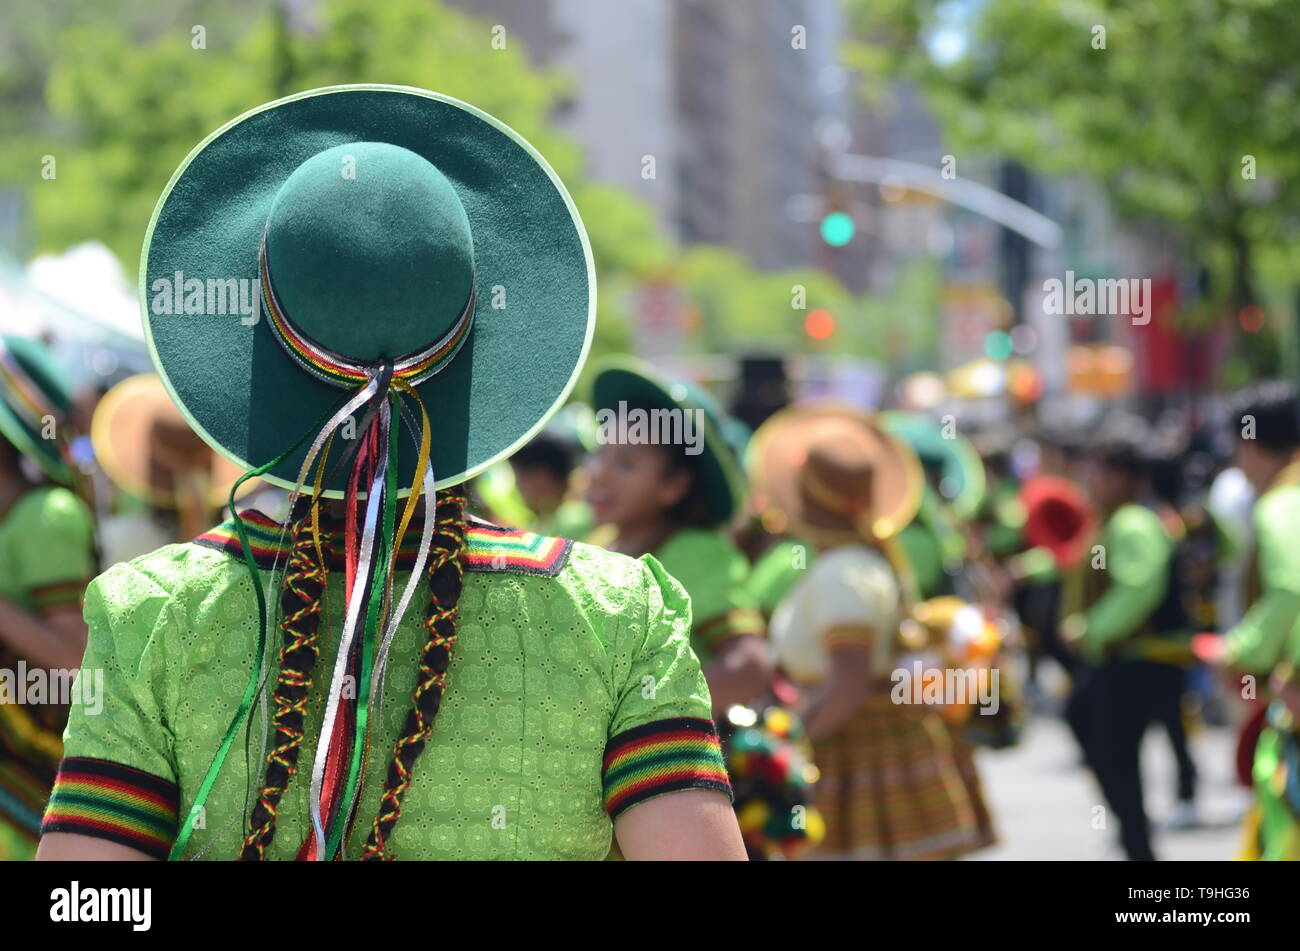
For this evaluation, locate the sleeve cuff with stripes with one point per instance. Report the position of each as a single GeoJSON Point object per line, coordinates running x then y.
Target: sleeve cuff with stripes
{"type": "Point", "coordinates": [733, 623]}
{"type": "Point", "coordinates": [57, 594]}
{"type": "Point", "coordinates": [106, 800]}
{"type": "Point", "coordinates": [662, 757]}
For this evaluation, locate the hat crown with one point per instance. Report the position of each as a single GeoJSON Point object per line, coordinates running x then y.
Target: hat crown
{"type": "Point", "coordinates": [837, 470]}
{"type": "Point", "coordinates": [369, 251]}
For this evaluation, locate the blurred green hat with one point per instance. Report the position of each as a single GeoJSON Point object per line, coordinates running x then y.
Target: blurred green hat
{"type": "Point", "coordinates": [636, 383]}
{"type": "Point", "coordinates": [961, 473]}
{"type": "Point", "coordinates": [34, 405]}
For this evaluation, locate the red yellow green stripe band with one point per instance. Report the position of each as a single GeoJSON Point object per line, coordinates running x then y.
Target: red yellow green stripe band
{"type": "Point", "coordinates": [661, 757]}
{"type": "Point", "coordinates": [58, 593]}
{"type": "Point", "coordinates": [488, 547]}
{"type": "Point", "coordinates": [106, 800]}
{"type": "Point", "coordinates": [413, 368]}
{"type": "Point", "coordinates": [733, 623]}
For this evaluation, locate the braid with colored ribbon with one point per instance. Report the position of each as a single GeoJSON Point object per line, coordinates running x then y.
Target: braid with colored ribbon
{"type": "Point", "coordinates": [304, 585]}
{"type": "Point", "coordinates": [446, 575]}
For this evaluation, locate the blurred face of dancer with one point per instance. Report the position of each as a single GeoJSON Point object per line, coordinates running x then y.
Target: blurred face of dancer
{"type": "Point", "coordinates": [1261, 466]}
{"type": "Point", "coordinates": [541, 487]}
{"type": "Point", "coordinates": [1109, 487]}
{"type": "Point", "coordinates": [632, 487]}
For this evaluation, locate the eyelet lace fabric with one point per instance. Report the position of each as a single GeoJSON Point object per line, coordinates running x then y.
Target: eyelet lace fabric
{"type": "Point", "coordinates": [546, 671]}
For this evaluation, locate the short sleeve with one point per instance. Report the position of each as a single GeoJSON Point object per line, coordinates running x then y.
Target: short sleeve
{"type": "Point", "coordinates": [857, 597]}
{"type": "Point", "coordinates": [661, 735]}
{"type": "Point", "coordinates": [117, 780]}
{"type": "Point", "coordinates": [714, 573]}
{"type": "Point", "coordinates": [1259, 640]}
{"type": "Point", "coordinates": [54, 531]}
{"type": "Point", "coordinates": [776, 573]}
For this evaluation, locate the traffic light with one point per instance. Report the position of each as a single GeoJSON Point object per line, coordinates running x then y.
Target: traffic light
{"type": "Point", "coordinates": [998, 345]}
{"type": "Point", "coordinates": [837, 229]}
{"type": "Point", "coordinates": [819, 324]}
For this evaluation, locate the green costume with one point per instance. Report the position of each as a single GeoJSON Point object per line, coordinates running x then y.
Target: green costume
{"type": "Point", "coordinates": [1270, 631]}
{"type": "Point", "coordinates": [713, 572]}
{"type": "Point", "coordinates": [776, 572]}
{"type": "Point", "coordinates": [47, 553]}
{"type": "Point", "coordinates": [933, 546]}
{"type": "Point", "coordinates": [1277, 786]}
{"type": "Point", "coordinates": [572, 695]}
{"type": "Point", "coordinates": [1123, 597]}
{"type": "Point", "coordinates": [46, 558]}
{"type": "Point", "coordinates": [1003, 516]}
{"type": "Point", "coordinates": [1268, 637]}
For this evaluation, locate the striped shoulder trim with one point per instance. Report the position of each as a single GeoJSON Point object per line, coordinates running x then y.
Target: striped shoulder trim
{"type": "Point", "coordinates": [661, 757]}
{"type": "Point", "coordinates": [58, 593]}
{"type": "Point", "coordinates": [107, 800]}
{"type": "Point", "coordinates": [488, 547]}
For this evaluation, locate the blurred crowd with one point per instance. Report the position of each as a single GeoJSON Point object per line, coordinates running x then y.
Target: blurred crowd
{"type": "Point", "coordinates": [875, 592]}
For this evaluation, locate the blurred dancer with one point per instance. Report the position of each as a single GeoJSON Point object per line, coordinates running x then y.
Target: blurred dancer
{"type": "Point", "coordinates": [47, 556]}
{"type": "Point", "coordinates": [171, 485]}
{"type": "Point", "coordinates": [1129, 623]}
{"type": "Point", "coordinates": [1265, 645]}
{"type": "Point", "coordinates": [673, 498]}
{"type": "Point", "coordinates": [891, 786]}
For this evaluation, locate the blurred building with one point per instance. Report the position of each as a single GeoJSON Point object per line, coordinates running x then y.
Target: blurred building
{"type": "Point", "coordinates": [705, 109]}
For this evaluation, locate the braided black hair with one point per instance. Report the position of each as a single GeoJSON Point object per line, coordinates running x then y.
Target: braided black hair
{"type": "Point", "coordinates": [300, 603]}
{"type": "Point", "coordinates": [304, 588]}
{"type": "Point", "coordinates": [446, 578]}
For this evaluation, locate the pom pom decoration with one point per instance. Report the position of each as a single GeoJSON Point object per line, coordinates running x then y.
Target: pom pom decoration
{"type": "Point", "coordinates": [772, 775]}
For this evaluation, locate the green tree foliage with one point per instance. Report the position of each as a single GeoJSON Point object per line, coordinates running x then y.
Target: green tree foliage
{"type": "Point", "coordinates": [129, 93]}
{"type": "Point", "coordinates": [1185, 96]}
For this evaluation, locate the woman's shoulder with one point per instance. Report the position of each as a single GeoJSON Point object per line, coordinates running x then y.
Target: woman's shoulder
{"type": "Point", "coordinates": [596, 577]}
{"type": "Point", "coordinates": [172, 572]}
{"type": "Point", "coordinates": [50, 505]}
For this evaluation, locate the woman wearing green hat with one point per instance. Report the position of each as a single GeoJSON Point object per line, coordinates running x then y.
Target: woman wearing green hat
{"type": "Point", "coordinates": [664, 482]}
{"type": "Point", "coordinates": [405, 680]}
{"type": "Point", "coordinates": [47, 554]}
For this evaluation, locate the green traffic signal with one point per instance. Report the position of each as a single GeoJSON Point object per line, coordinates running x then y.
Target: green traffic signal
{"type": "Point", "coordinates": [838, 229]}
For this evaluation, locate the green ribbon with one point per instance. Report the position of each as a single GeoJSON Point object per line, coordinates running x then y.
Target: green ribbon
{"type": "Point", "coordinates": [246, 704]}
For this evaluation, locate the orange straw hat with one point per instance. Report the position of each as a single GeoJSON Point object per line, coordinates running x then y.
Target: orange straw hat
{"type": "Point", "coordinates": [830, 469]}
{"type": "Point", "coordinates": [146, 447]}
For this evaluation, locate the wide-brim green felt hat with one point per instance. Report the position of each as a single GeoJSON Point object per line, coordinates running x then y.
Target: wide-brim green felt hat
{"type": "Point", "coordinates": [385, 223]}
{"type": "Point", "coordinates": [626, 379]}
{"type": "Point", "coordinates": [34, 405]}
{"type": "Point", "coordinates": [961, 473]}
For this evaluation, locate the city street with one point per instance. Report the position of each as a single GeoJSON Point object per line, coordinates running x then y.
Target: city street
{"type": "Point", "coordinates": [1044, 804]}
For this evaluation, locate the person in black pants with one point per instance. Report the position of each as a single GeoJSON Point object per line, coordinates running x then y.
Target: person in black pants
{"type": "Point", "coordinates": [1129, 624]}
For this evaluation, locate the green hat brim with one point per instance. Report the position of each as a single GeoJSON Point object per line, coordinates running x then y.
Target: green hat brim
{"type": "Point", "coordinates": [959, 460]}
{"type": "Point", "coordinates": [236, 385]}
{"type": "Point", "coordinates": [636, 382]}
{"type": "Point", "coordinates": [30, 444]}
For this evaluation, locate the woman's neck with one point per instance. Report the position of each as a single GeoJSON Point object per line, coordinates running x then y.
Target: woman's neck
{"type": "Point", "coordinates": [643, 538]}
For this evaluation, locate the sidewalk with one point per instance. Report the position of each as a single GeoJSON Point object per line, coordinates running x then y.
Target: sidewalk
{"type": "Point", "coordinates": [1044, 803]}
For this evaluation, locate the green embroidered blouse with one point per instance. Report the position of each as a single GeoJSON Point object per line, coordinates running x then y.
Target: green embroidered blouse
{"type": "Point", "coordinates": [572, 695]}
{"type": "Point", "coordinates": [1270, 631]}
